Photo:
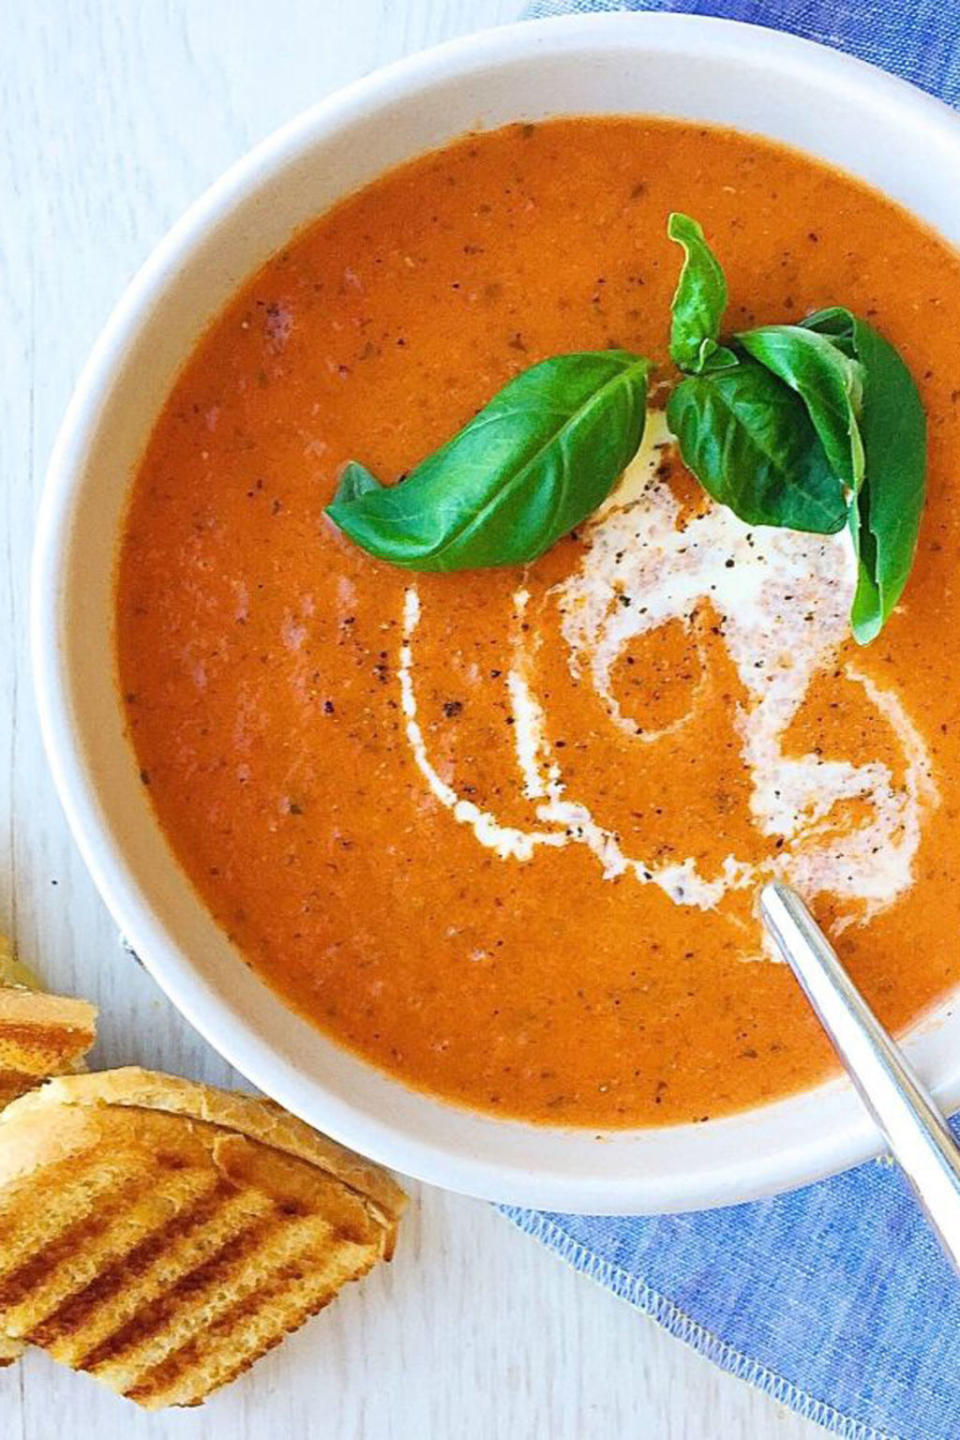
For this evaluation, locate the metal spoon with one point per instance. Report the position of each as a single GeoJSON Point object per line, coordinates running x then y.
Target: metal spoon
{"type": "Point", "coordinates": [901, 1105]}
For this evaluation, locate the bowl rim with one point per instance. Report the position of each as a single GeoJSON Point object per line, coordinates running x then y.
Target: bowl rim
{"type": "Point", "coordinates": [757, 1175]}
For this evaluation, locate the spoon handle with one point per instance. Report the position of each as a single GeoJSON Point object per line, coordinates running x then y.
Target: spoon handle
{"type": "Point", "coordinates": [902, 1107]}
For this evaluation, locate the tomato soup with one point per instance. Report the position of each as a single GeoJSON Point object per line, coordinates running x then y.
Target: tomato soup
{"type": "Point", "coordinates": [501, 832]}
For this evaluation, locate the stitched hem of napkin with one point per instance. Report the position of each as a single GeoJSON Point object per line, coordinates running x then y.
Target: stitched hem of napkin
{"type": "Point", "coordinates": [677, 1323]}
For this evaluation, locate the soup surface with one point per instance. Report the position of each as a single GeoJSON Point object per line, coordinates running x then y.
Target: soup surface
{"type": "Point", "coordinates": [501, 832]}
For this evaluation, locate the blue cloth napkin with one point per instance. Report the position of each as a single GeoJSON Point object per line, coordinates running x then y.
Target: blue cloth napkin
{"type": "Point", "coordinates": [835, 1300]}
{"type": "Point", "coordinates": [916, 39]}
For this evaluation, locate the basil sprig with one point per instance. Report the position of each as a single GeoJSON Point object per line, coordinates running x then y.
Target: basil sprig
{"type": "Point", "coordinates": [808, 427]}
{"type": "Point", "coordinates": [525, 471]}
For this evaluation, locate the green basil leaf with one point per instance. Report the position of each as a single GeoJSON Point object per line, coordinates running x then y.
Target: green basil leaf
{"type": "Point", "coordinates": [355, 480]}
{"type": "Point", "coordinates": [698, 303]}
{"type": "Point", "coordinates": [885, 521]}
{"type": "Point", "coordinates": [839, 324]}
{"type": "Point", "coordinates": [828, 382]}
{"type": "Point", "coordinates": [527, 469]}
{"type": "Point", "coordinates": [867, 615]}
{"type": "Point", "coordinates": [750, 442]}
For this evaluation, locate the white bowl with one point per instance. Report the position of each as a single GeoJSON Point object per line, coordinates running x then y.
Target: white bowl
{"type": "Point", "coordinates": [876, 127]}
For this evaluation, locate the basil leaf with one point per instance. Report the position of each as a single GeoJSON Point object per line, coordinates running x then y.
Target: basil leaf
{"type": "Point", "coordinates": [885, 521]}
{"type": "Point", "coordinates": [698, 303]}
{"type": "Point", "coordinates": [829, 383]}
{"type": "Point", "coordinates": [527, 469]}
{"type": "Point", "coordinates": [355, 480]}
{"type": "Point", "coordinates": [839, 324]}
{"type": "Point", "coordinates": [867, 614]}
{"type": "Point", "coordinates": [750, 442]}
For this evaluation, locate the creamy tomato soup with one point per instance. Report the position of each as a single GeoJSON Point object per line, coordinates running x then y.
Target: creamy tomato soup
{"type": "Point", "coordinates": [502, 832]}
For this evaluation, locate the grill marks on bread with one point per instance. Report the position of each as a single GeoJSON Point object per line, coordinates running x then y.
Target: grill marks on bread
{"type": "Point", "coordinates": [40, 1035]}
{"type": "Point", "coordinates": [163, 1253]}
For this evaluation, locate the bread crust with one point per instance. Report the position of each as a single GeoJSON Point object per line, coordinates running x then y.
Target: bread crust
{"type": "Point", "coordinates": [21, 1006]}
{"type": "Point", "coordinates": [40, 1034]}
{"type": "Point", "coordinates": [256, 1118]}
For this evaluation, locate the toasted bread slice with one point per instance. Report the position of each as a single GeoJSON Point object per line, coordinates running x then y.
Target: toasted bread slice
{"type": "Point", "coordinates": [40, 1034]}
{"type": "Point", "coordinates": [162, 1235]}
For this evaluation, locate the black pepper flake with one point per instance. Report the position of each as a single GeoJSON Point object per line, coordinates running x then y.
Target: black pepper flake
{"type": "Point", "coordinates": [452, 708]}
{"type": "Point", "coordinates": [145, 777]}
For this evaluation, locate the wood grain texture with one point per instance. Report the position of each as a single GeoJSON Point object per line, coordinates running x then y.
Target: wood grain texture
{"type": "Point", "coordinates": [113, 116]}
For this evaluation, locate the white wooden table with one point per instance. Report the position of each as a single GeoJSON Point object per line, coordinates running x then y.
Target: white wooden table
{"type": "Point", "coordinates": [114, 114]}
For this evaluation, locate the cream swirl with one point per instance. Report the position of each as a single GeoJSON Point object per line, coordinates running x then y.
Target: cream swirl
{"type": "Point", "coordinates": [783, 599]}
